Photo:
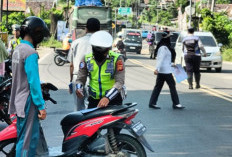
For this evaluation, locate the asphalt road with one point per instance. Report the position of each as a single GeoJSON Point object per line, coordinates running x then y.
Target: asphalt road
{"type": "Point", "coordinates": [202, 129]}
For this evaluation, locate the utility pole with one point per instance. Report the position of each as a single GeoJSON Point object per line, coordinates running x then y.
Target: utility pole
{"type": "Point", "coordinates": [1, 11]}
{"type": "Point", "coordinates": [115, 31]}
{"type": "Point", "coordinates": [7, 14]}
{"type": "Point", "coordinates": [190, 16]}
{"type": "Point", "coordinates": [212, 6]}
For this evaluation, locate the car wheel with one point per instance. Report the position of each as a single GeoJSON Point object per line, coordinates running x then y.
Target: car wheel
{"type": "Point", "coordinates": [138, 52]}
{"type": "Point", "coordinates": [218, 69]}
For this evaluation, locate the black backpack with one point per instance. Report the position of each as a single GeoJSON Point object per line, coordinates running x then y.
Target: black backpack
{"type": "Point", "coordinates": [120, 44]}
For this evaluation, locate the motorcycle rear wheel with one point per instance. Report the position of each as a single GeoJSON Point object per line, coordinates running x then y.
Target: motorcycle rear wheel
{"type": "Point", "coordinates": [8, 147]}
{"type": "Point", "coordinates": [130, 146]}
{"type": "Point", "coordinates": [58, 61]}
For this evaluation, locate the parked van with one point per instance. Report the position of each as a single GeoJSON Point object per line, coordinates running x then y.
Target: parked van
{"type": "Point", "coordinates": [213, 58]}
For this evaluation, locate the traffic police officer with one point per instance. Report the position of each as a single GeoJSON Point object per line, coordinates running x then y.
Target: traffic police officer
{"type": "Point", "coordinates": [106, 73]}
{"type": "Point", "coordinates": [16, 40]}
{"type": "Point", "coordinates": [192, 55]}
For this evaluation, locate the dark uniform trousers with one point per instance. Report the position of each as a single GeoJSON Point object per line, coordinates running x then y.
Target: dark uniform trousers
{"type": "Point", "coordinates": [193, 66]}
{"type": "Point", "coordinates": [161, 78]}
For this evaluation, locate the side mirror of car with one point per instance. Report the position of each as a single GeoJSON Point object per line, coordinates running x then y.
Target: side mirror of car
{"type": "Point", "coordinates": [220, 45]}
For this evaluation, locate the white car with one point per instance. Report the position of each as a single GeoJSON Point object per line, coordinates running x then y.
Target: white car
{"type": "Point", "coordinates": [213, 58]}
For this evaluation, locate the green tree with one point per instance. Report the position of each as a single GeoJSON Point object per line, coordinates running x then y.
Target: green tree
{"type": "Point", "coordinates": [223, 1]}
{"type": "Point", "coordinates": [219, 24]}
{"type": "Point", "coordinates": [13, 18]}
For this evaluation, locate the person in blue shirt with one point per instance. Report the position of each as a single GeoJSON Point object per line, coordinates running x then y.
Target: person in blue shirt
{"type": "Point", "coordinates": [26, 99]}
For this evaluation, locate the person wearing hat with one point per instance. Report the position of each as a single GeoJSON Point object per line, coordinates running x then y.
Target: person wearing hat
{"type": "Point", "coordinates": [192, 56]}
{"type": "Point", "coordinates": [106, 71]}
{"type": "Point", "coordinates": [79, 48]}
{"type": "Point", "coordinates": [16, 39]}
{"type": "Point", "coordinates": [165, 60]}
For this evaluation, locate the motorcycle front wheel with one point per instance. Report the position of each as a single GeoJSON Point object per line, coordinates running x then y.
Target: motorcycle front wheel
{"type": "Point", "coordinates": [129, 146]}
{"type": "Point", "coordinates": [7, 148]}
{"type": "Point", "coordinates": [58, 61]}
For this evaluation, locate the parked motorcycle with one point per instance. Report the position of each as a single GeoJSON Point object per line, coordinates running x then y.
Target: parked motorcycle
{"type": "Point", "coordinates": [5, 90]}
{"type": "Point", "coordinates": [61, 56]}
{"type": "Point", "coordinates": [93, 132]}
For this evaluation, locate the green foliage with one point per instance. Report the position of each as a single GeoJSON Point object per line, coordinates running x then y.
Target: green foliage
{"type": "Point", "coordinates": [219, 24]}
{"type": "Point", "coordinates": [227, 54]}
{"type": "Point", "coordinates": [51, 42]}
{"type": "Point", "coordinates": [13, 18]}
{"type": "Point", "coordinates": [223, 1]}
{"type": "Point", "coordinates": [182, 4]}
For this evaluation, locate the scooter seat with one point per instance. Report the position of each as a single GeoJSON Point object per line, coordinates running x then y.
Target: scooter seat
{"type": "Point", "coordinates": [76, 117]}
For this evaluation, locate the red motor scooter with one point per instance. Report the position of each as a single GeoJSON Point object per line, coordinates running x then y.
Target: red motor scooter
{"type": "Point", "coordinates": [92, 132]}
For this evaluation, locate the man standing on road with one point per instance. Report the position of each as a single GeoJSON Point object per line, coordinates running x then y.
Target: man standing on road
{"type": "Point", "coordinates": [79, 49]}
{"type": "Point", "coordinates": [16, 40]}
{"type": "Point", "coordinates": [26, 99]}
{"type": "Point", "coordinates": [106, 71]}
{"type": "Point", "coordinates": [192, 55]}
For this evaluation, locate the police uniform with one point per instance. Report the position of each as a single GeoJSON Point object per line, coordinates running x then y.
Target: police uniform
{"type": "Point", "coordinates": [105, 79]}
{"type": "Point", "coordinates": [13, 43]}
{"type": "Point", "coordinates": [191, 48]}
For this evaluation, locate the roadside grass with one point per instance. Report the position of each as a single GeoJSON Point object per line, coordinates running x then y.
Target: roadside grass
{"type": "Point", "coordinates": [51, 42]}
{"type": "Point", "coordinates": [227, 54]}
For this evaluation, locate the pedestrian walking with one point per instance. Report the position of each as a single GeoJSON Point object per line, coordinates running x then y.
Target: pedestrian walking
{"type": "Point", "coordinates": [106, 72]}
{"type": "Point", "coordinates": [166, 55]}
{"type": "Point", "coordinates": [192, 56]}
{"type": "Point", "coordinates": [26, 100]}
{"type": "Point", "coordinates": [79, 48]}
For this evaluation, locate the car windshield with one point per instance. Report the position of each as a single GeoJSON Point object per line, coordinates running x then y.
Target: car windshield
{"type": "Point", "coordinates": [208, 41]}
{"type": "Point", "coordinates": [133, 37]}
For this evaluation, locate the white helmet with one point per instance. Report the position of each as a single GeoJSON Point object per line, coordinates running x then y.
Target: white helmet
{"type": "Point", "coordinates": [101, 39]}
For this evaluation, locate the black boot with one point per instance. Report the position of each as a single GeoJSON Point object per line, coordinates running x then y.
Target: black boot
{"type": "Point", "coordinates": [197, 79]}
{"type": "Point", "coordinates": [190, 81]}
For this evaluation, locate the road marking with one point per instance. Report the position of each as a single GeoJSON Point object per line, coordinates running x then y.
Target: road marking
{"type": "Point", "coordinates": [205, 88]}
{"type": "Point", "coordinates": [43, 57]}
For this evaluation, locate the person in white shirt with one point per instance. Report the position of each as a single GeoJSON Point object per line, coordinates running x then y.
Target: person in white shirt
{"type": "Point", "coordinates": [79, 48]}
{"type": "Point", "coordinates": [166, 55]}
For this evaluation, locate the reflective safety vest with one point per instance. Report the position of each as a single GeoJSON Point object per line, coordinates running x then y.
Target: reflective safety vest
{"type": "Point", "coordinates": [14, 43]}
{"type": "Point", "coordinates": [66, 44]}
{"type": "Point", "coordinates": [101, 76]}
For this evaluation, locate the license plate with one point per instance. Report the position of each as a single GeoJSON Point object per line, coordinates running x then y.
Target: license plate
{"type": "Point", "coordinates": [132, 48]}
{"type": "Point", "coordinates": [205, 64]}
{"type": "Point", "coordinates": [138, 128]}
